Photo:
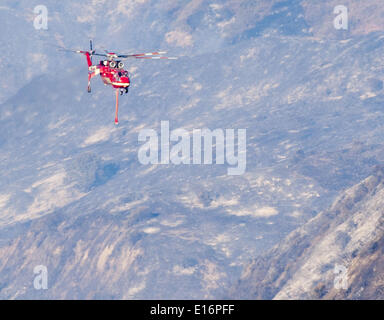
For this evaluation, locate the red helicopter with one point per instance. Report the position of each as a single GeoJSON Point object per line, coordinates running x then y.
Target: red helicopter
{"type": "Point", "coordinates": [111, 69]}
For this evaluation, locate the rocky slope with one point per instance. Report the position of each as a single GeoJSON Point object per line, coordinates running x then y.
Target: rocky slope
{"type": "Point", "coordinates": [348, 234]}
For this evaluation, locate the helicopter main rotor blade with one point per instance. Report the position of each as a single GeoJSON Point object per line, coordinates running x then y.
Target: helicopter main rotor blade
{"type": "Point", "coordinates": [158, 58]}
{"type": "Point", "coordinates": [91, 51]}
{"type": "Point", "coordinates": [149, 55]}
{"type": "Point", "coordinates": [81, 51]}
{"type": "Point", "coordinates": [141, 54]}
{"type": "Point", "coordinates": [100, 54]}
{"type": "Point", "coordinates": [65, 49]}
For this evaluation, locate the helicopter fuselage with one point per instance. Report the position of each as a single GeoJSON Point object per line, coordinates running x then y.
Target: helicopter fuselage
{"type": "Point", "coordinates": [111, 73]}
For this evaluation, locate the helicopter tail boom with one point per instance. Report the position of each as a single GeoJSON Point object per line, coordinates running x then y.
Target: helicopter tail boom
{"type": "Point", "coordinates": [89, 61]}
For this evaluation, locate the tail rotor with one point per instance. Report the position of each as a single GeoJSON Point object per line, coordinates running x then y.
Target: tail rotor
{"type": "Point", "coordinates": [91, 51]}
